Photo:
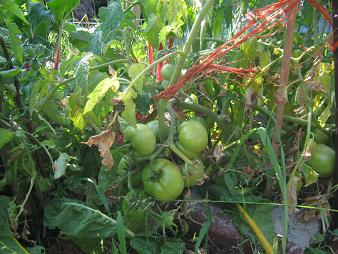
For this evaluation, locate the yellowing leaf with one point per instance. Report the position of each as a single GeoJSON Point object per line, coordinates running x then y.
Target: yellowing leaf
{"type": "Point", "coordinates": [99, 92]}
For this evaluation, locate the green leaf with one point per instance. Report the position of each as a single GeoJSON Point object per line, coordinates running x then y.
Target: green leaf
{"type": "Point", "coordinates": [38, 92]}
{"type": "Point", "coordinates": [133, 71]}
{"type": "Point", "coordinates": [7, 74]}
{"type": "Point", "coordinates": [6, 135]}
{"type": "Point", "coordinates": [99, 92]}
{"type": "Point", "coordinates": [80, 39]}
{"type": "Point", "coordinates": [77, 220]}
{"type": "Point", "coordinates": [111, 17]}
{"type": "Point", "coordinates": [121, 234]}
{"type": "Point", "coordinates": [143, 246]}
{"type": "Point", "coordinates": [40, 20]}
{"type": "Point", "coordinates": [82, 72]}
{"type": "Point", "coordinates": [153, 246]}
{"type": "Point", "coordinates": [76, 115]}
{"type": "Point", "coordinates": [62, 8]}
{"type": "Point", "coordinates": [129, 107]}
{"type": "Point", "coordinates": [5, 229]}
{"type": "Point", "coordinates": [310, 176]}
{"type": "Point", "coordinates": [12, 9]}
{"type": "Point", "coordinates": [8, 244]}
{"type": "Point", "coordinates": [16, 43]}
{"type": "Point", "coordinates": [60, 165]}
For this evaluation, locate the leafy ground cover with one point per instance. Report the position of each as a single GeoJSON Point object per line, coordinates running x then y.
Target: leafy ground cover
{"type": "Point", "coordinates": [145, 129]}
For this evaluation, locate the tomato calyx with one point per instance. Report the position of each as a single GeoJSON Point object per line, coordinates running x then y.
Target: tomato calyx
{"type": "Point", "coordinates": [156, 176]}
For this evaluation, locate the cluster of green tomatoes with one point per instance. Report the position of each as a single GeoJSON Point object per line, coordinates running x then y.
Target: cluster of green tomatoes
{"type": "Point", "coordinates": [163, 179]}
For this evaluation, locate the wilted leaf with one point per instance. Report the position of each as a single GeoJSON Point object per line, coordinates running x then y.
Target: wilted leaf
{"type": "Point", "coordinates": [292, 193]}
{"type": "Point", "coordinates": [99, 92]}
{"type": "Point", "coordinates": [218, 153]}
{"type": "Point", "coordinates": [103, 141]}
{"type": "Point", "coordinates": [60, 165]}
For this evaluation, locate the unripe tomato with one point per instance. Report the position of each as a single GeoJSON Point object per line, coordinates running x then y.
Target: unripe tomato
{"type": "Point", "coordinates": [167, 71]}
{"type": "Point", "coordinates": [192, 137]}
{"type": "Point", "coordinates": [322, 159]}
{"type": "Point", "coordinates": [154, 126]}
{"type": "Point", "coordinates": [163, 180]}
{"type": "Point", "coordinates": [142, 139]}
{"type": "Point", "coordinates": [321, 137]}
{"type": "Point", "coordinates": [134, 213]}
{"type": "Point", "coordinates": [129, 132]}
{"type": "Point", "coordinates": [201, 120]}
{"type": "Point", "coordinates": [193, 174]}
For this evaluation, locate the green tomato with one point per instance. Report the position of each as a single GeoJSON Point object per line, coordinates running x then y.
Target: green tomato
{"type": "Point", "coordinates": [143, 140]}
{"type": "Point", "coordinates": [167, 71]}
{"type": "Point", "coordinates": [129, 132]}
{"type": "Point", "coordinates": [134, 215]}
{"type": "Point", "coordinates": [192, 137]}
{"type": "Point", "coordinates": [201, 120]}
{"type": "Point", "coordinates": [163, 180]}
{"type": "Point", "coordinates": [155, 127]}
{"type": "Point", "coordinates": [321, 137]}
{"type": "Point", "coordinates": [322, 159]}
{"type": "Point", "coordinates": [193, 174]}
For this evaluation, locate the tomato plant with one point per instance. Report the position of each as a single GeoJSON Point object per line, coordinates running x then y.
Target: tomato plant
{"type": "Point", "coordinates": [163, 180]}
{"type": "Point", "coordinates": [94, 143]}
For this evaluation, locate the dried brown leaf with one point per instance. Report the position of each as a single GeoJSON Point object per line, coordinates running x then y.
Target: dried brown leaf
{"type": "Point", "coordinates": [292, 194]}
{"type": "Point", "coordinates": [103, 141]}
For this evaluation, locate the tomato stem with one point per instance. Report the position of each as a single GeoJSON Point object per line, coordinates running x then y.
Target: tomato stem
{"type": "Point", "coordinates": [159, 66]}
{"type": "Point", "coordinates": [190, 39]}
{"type": "Point", "coordinates": [151, 56]}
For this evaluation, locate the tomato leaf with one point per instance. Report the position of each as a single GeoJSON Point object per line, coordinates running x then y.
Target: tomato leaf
{"type": "Point", "coordinates": [80, 39]}
{"type": "Point", "coordinates": [16, 43]}
{"type": "Point", "coordinates": [129, 112]}
{"type": "Point", "coordinates": [99, 92]}
{"type": "Point", "coordinates": [62, 8]}
{"type": "Point", "coordinates": [77, 220]}
{"type": "Point", "coordinates": [60, 165]}
{"type": "Point", "coordinates": [6, 135]}
{"type": "Point", "coordinates": [11, 8]}
{"type": "Point", "coordinates": [82, 72]}
{"type": "Point", "coordinates": [133, 71]}
{"type": "Point", "coordinates": [40, 19]}
{"type": "Point", "coordinates": [103, 141]}
{"type": "Point", "coordinates": [111, 17]}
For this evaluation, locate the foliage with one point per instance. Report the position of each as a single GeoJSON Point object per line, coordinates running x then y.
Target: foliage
{"type": "Point", "coordinates": [65, 87]}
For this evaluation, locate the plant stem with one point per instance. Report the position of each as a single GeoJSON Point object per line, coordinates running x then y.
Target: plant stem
{"type": "Point", "coordinates": [281, 94]}
{"type": "Point", "coordinates": [191, 37]}
{"type": "Point", "coordinates": [255, 229]}
{"type": "Point", "coordinates": [149, 67]}
{"type": "Point", "coordinates": [335, 40]}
